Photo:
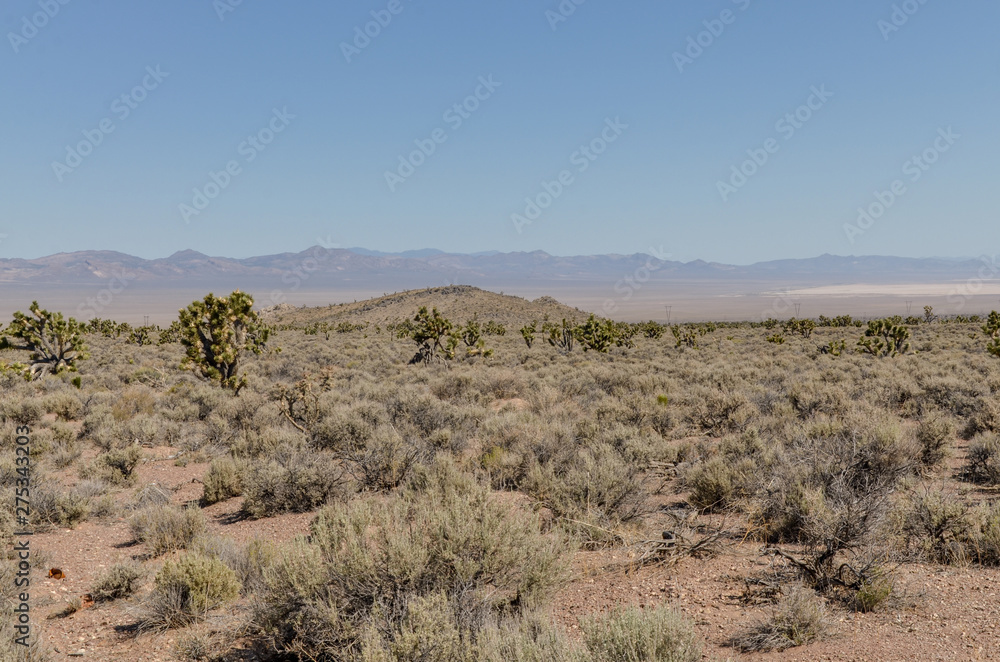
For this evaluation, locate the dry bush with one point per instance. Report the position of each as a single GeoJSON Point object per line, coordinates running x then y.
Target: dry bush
{"type": "Point", "coordinates": [648, 635]}
{"type": "Point", "coordinates": [834, 496]}
{"type": "Point", "coordinates": [934, 434]}
{"type": "Point", "coordinates": [166, 528]}
{"type": "Point", "coordinates": [64, 404]}
{"type": "Point", "coordinates": [119, 581]}
{"type": "Point", "coordinates": [23, 411]}
{"type": "Point", "coordinates": [593, 492]}
{"type": "Point", "coordinates": [513, 442]}
{"type": "Point", "coordinates": [186, 590]}
{"type": "Point", "coordinates": [133, 401]}
{"type": "Point", "coordinates": [461, 552]}
{"type": "Point", "coordinates": [987, 543]}
{"type": "Point", "coordinates": [250, 562]}
{"type": "Point", "coordinates": [385, 461]}
{"type": "Point", "coordinates": [983, 459]}
{"type": "Point", "coordinates": [141, 429]}
{"type": "Point", "coordinates": [65, 453]}
{"type": "Point", "coordinates": [800, 618]}
{"type": "Point", "coordinates": [117, 466]}
{"type": "Point", "coordinates": [222, 481]}
{"type": "Point", "coordinates": [938, 526]}
{"type": "Point", "coordinates": [51, 507]}
{"type": "Point", "coordinates": [528, 638]}
{"type": "Point", "coordinates": [293, 481]}
{"type": "Point", "coordinates": [148, 496]}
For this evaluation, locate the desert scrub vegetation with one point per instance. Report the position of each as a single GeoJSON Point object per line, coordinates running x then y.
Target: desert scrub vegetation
{"type": "Point", "coordinates": [166, 528]}
{"type": "Point", "coordinates": [120, 581]}
{"type": "Point", "coordinates": [186, 590]}
{"type": "Point", "coordinates": [798, 619]}
{"type": "Point", "coordinates": [462, 556]}
{"type": "Point", "coordinates": [479, 478]}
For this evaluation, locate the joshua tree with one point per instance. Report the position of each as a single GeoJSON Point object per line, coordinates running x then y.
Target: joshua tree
{"type": "Point", "coordinates": [472, 335]}
{"type": "Point", "coordinates": [596, 335]}
{"type": "Point", "coordinates": [885, 338]}
{"type": "Point", "coordinates": [992, 331]}
{"type": "Point", "coordinates": [561, 337]}
{"type": "Point", "coordinates": [528, 333]}
{"type": "Point", "coordinates": [803, 327]}
{"type": "Point", "coordinates": [55, 343]}
{"type": "Point", "coordinates": [217, 332]}
{"type": "Point", "coordinates": [687, 337]}
{"type": "Point", "coordinates": [433, 333]}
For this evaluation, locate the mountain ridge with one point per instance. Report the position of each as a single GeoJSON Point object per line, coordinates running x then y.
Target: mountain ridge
{"type": "Point", "coordinates": [340, 264]}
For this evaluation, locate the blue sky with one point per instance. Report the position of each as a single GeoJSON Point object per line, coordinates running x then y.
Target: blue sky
{"type": "Point", "coordinates": [605, 77]}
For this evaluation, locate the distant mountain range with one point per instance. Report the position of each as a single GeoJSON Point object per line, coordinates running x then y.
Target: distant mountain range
{"type": "Point", "coordinates": [322, 267]}
{"type": "Point", "coordinates": [638, 286]}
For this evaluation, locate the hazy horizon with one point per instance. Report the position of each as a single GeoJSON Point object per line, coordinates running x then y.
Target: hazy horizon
{"type": "Point", "coordinates": [479, 251]}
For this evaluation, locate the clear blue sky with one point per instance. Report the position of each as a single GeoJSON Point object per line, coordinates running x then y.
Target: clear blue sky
{"type": "Point", "coordinates": [656, 185]}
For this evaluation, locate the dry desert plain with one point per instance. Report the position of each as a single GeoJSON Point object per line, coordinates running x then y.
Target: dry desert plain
{"type": "Point", "coordinates": [715, 496]}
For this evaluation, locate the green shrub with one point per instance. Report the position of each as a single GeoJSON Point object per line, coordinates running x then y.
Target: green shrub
{"type": "Point", "coordinates": [873, 592]}
{"type": "Point", "coordinates": [186, 590]}
{"type": "Point", "coordinates": [222, 481]}
{"type": "Point", "coordinates": [250, 561]}
{"type": "Point", "coordinates": [119, 581]}
{"type": "Point", "coordinates": [650, 635]}
{"type": "Point", "coordinates": [166, 528]}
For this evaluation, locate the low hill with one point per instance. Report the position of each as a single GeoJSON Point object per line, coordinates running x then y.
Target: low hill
{"type": "Point", "coordinates": [456, 302]}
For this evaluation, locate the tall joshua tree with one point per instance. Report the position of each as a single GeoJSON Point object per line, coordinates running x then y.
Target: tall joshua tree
{"type": "Point", "coordinates": [217, 332]}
